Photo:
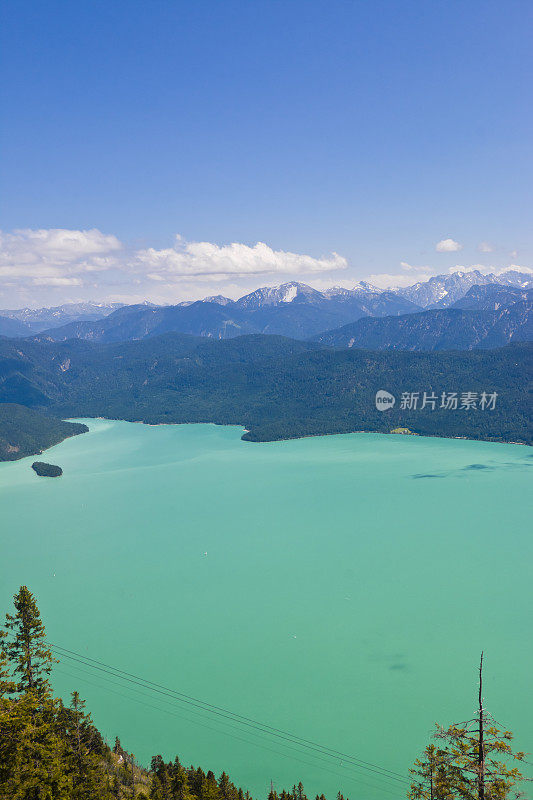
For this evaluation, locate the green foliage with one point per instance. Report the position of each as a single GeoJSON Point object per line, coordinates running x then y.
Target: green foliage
{"type": "Point", "coordinates": [434, 776]}
{"type": "Point", "coordinates": [46, 470]}
{"type": "Point", "coordinates": [26, 646]}
{"type": "Point", "coordinates": [25, 431]}
{"type": "Point", "coordinates": [274, 387]}
{"type": "Point", "coordinates": [463, 768]}
{"type": "Point", "coordinates": [49, 751]}
{"type": "Point", "coordinates": [463, 750]}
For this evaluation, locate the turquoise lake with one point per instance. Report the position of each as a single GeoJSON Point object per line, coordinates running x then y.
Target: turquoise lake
{"type": "Point", "coordinates": [340, 588]}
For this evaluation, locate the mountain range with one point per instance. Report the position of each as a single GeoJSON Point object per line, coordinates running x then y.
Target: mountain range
{"type": "Point", "coordinates": [34, 320]}
{"type": "Point", "coordinates": [307, 313]}
{"type": "Point", "coordinates": [442, 291]}
{"type": "Point", "coordinates": [362, 316]}
{"type": "Point", "coordinates": [224, 361]}
{"type": "Point", "coordinates": [479, 320]}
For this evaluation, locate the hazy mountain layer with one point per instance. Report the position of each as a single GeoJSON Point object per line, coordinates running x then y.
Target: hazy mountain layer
{"type": "Point", "coordinates": [39, 319]}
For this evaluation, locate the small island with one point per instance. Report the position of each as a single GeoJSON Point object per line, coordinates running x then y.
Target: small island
{"type": "Point", "coordinates": [46, 470]}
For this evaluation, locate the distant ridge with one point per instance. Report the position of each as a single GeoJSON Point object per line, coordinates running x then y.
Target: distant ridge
{"type": "Point", "coordinates": [456, 328]}
{"type": "Point", "coordinates": [442, 291]}
{"type": "Point", "coordinates": [39, 319]}
{"type": "Point", "coordinates": [299, 311]}
{"type": "Point", "coordinates": [293, 310]}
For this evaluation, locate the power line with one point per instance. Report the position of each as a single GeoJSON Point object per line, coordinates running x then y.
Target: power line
{"type": "Point", "coordinates": [346, 774]}
{"type": "Point", "coordinates": [230, 716]}
{"type": "Point", "coordinates": [227, 715]}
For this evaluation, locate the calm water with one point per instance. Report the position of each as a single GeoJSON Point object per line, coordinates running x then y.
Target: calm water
{"type": "Point", "coordinates": [339, 587]}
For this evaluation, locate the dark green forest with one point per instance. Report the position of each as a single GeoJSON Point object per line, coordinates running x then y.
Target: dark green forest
{"type": "Point", "coordinates": [25, 431]}
{"type": "Point", "coordinates": [276, 388]}
{"type": "Point", "coordinates": [50, 750]}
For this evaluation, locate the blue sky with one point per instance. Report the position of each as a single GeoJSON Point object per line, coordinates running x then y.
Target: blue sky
{"type": "Point", "coordinates": [370, 129]}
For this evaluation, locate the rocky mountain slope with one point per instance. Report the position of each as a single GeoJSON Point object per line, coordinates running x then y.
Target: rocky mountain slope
{"type": "Point", "coordinates": [438, 329]}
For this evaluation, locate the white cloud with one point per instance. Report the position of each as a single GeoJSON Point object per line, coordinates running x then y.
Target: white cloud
{"type": "Point", "coordinates": [386, 280]}
{"type": "Point", "coordinates": [57, 258]}
{"type": "Point", "coordinates": [412, 268]}
{"type": "Point", "coordinates": [448, 246]}
{"type": "Point", "coordinates": [515, 268]}
{"type": "Point", "coordinates": [54, 253]}
{"type": "Point", "coordinates": [204, 259]}
{"type": "Point", "coordinates": [57, 281]}
{"type": "Point", "coordinates": [485, 269]}
{"type": "Point", "coordinates": [485, 247]}
{"type": "Point", "coordinates": [46, 267]}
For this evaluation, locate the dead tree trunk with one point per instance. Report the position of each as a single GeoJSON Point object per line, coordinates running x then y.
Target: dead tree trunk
{"type": "Point", "coordinates": [481, 753]}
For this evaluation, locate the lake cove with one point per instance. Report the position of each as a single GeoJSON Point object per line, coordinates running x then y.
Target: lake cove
{"type": "Point", "coordinates": [340, 588]}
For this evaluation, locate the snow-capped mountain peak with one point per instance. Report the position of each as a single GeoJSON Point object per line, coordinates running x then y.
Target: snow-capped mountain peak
{"type": "Point", "coordinates": [219, 299]}
{"type": "Point", "coordinates": [441, 291]}
{"type": "Point", "coordinates": [277, 295]}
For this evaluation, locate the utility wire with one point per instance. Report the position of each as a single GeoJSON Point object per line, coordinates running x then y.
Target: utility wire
{"type": "Point", "coordinates": [278, 733]}
{"type": "Point", "coordinates": [346, 774]}
{"type": "Point", "coordinates": [228, 716]}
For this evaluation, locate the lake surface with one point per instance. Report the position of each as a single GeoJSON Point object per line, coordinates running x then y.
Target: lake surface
{"type": "Point", "coordinates": [340, 588]}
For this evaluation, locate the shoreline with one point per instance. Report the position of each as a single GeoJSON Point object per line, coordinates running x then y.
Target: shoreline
{"type": "Point", "coordinates": [413, 435]}
{"type": "Point", "coordinates": [246, 431]}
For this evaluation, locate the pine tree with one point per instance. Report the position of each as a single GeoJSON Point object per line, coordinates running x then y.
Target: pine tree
{"type": "Point", "coordinates": [36, 762]}
{"type": "Point", "coordinates": [7, 715]}
{"type": "Point", "coordinates": [39, 767]}
{"type": "Point", "coordinates": [435, 775]}
{"type": "Point", "coordinates": [179, 783]}
{"type": "Point", "coordinates": [27, 648]}
{"type": "Point", "coordinates": [85, 749]}
{"type": "Point", "coordinates": [7, 684]}
{"type": "Point", "coordinates": [160, 788]}
{"type": "Point", "coordinates": [469, 764]}
{"type": "Point", "coordinates": [115, 789]}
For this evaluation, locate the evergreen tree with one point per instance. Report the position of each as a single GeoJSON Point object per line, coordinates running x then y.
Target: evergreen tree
{"type": "Point", "coordinates": [27, 648]}
{"type": "Point", "coordinates": [84, 746]}
{"type": "Point", "coordinates": [7, 715]}
{"type": "Point", "coordinates": [39, 766]}
{"type": "Point", "coordinates": [224, 787]}
{"type": "Point", "coordinates": [116, 793]}
{"type": "Point", "coordinates": [470, 765]}
{"type": "Point", "coordinates": [435, 776]}
{"type": "Point", "coordinates": [160, 788]}
{"type": "Point", "coordinates": [179, 784]}
{"type": "Point", "coordinates": [7, 685]}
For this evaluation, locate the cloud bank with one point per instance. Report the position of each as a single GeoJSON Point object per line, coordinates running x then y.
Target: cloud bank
{"type": "Point", "coordinates": [55, 253]}
{"type": "Point", "coordinates": [59, 258]}
{"type": "Point", "coordinates": [448, 246]}
{"type": "Point", "coordinates": [204, 259]}
{"type": "Point", "coordinates": [56, 265]}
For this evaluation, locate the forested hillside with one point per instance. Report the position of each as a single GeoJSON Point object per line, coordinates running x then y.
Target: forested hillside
{"type": "Point", "coordinates": [300, 318]}
{"type": "Point", "coordinates": [442, 329]}
{"type": "Point", "coordinates": [24, 431]}
{"type": "Point", "coordinates": [53, 751]}
{"type": "Point", "coordinates": [276, 388]}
